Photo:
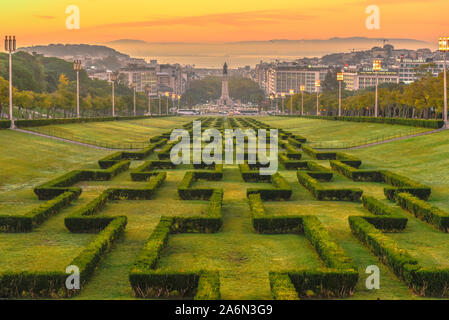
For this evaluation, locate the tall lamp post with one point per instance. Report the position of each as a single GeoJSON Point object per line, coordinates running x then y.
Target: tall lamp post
{"type": "Point", "coordinates": [277, 103]}
{"type": "Point", "coordinates": [271, 102]}
{"type": "Point", "coordinates": [443, 46]}
{"type": "Point", "coordinates": [77, 67]}
{"type": "Point", "coordinates": [179, 100]}
{"type": "Point", "coordinates": [317, 89]}
{"type": "Point", "coordinates": [377, 66]}
{"type": "Point", "coordinates": [302, 88]}
{"type": "Point", "coordinates": [292, 92]}
{"type": "Point", "coordinates": [10, 47]}
{"type": "Point", "coordinates": [160, 106]}
{"type": "Point", "coordinates": [340, 78]}
{"type": "Point", "coordinates": [134, 86]}
{"type": "Point", "coordinates": [282, 99]}
{"type": "Point", "coordinates": [167, 94]}
{"type": "Point", "coordinates": [112, 78]}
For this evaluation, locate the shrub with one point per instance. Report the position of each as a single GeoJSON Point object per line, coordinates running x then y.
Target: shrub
{"type": "Point", "coordinates": [51, 284]}
{"type": "Point", "coordinates": [356, 174]}
{"type": "Point", "coordinates": [402, 184]}
{"type": "Point", "coordinates": [281, 191]}
{"type": "Point", "coordinates": [282, 287]}
{"type": "Point", "coordinates": [321, 193]}
{"type": "Point", "coordinates": [5, 124]}
{"type": "Point", "coordinates": [399, 121]}
{"type": "Point", "coordinates": [424, 211]}
{"type": "Point", "coordinates": [319, 155]}
{"type": "Point", "coordinates": [387, 218]}
{"type": "Point", "coordinates": [46, 122]}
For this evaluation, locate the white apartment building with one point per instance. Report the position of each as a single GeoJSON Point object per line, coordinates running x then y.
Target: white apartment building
{"type": "Point", "coordinates": [365, 79]}
{"type": "Point", "coordinates": [283, 77]}
{"type": "Point", "coordinates": [410, 69]}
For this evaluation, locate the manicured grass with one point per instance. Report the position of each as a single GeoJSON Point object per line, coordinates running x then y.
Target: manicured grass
{"type": "Point", "coordinates": [425, 159]}
{"type": "Point", "coordinates": [338, 134]}
{"type": "Point", "coordinates": [114, 134]}
{"type": "Point", "coordinates": [27, 161]}
{"type": "Point", "coordinates": [242, 256]}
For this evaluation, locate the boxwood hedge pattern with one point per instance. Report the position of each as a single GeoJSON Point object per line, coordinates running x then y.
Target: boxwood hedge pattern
{"type": "Point", "coordinates": [435, 124]}
{"type": "Point", "coordinates": [147, 281]}
{"type": "Point", "coordinates": [60, 193]}
{"type": "Point", "coordinates": [337, 279]}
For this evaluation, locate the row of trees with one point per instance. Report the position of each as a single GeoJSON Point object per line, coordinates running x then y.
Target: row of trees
{"type": "Point", "coordinates": [420, 99]}
{"type": "Point", "coordinates": [209, 89]}
{"type": "Point", "coordinates": [46, 87]}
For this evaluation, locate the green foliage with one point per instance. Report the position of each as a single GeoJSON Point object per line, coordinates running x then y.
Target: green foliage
{"type": "Point", "coordinates": [282, 189]}
{"type": "Point", "coordinates": [37, 216]}
{"type": "Point", "coordinates": [435, 124]}
{"type": "Point", "coordinates": [327, 194]}
{"type": "Point", "coordinates": [424, 211]}
{"type": "Point", "coordinates": [404, 184]}
{"type": "Point", "coordinates": [5, 124]}
{"type": "Point", "coordinates": [386, 218]}
{"type": "Point", "coordinates": [209, 88]}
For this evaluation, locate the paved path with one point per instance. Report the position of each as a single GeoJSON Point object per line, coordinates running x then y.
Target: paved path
{"type": "Point", "coordinates": [67, 140]}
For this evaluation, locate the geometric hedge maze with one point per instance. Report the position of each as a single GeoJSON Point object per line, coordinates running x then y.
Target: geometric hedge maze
{"type": "Point", "coordinates": [339, 274]}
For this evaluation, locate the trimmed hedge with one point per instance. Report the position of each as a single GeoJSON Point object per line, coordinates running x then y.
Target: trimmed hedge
{"type": "Point", "coordinates": [116, 157]}
{"type": "Point", "coordinates": [386, 218]}
{"type": "Point", "coordinates": [37, 216]}
{"type": "Point", "coordinates": [5, 124]}
{"type": "Point", "coordinates": [185, 191]}
{"type": "Point", "coordinates": [64, 183]}
{"type": "Point", "coordinates": [356, 174]}
{"type": "Point", "coordinates": [51, 284]}
{"type": "Point", "coordinates": [47, 122]}
{"type": "Point", "coordinates": [424, 281]}
{"type": "Point", "coordinates": [424, 211]}
{"type": "Point", "coordinates": [403, 184]}
{"type": "Point", "coordinates": [319, 155]}
{"type": "Point", "coordinates": [148, 282]}
{"type": "Point", "coordinates": [250, 175]}
{"type": "Point", "coordinates": [281, 191]}
{"type": "Point", "coordinates": [321, 193]}
{"type": "Point", "coordinates": [145, 171]}
{"type": "Point", "coordinates": [436, 124]}
{"type": "Point", "coordinates": [264, 223]}
{"type": "Point", "coordinates": [83, 220]}
{"type": "Point", "coordinates": [282, 287]}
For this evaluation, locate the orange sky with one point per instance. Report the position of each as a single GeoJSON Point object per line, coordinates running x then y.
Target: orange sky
{"type": "Point", "coordinates": [43, 21]}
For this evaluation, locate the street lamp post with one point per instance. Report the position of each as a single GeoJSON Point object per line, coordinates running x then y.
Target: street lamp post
{"type": "Point", "coordinates": [134, 98]}
{"type": "Point", "coordinates": [292, 92]}
{"type": "Point", "coordinates": [443, 46]}
{"type": "Point", "coordinates": [10, 47]}
{"type": "Point", "coordinates": [271, 102]}
{"type": "Point", "coordinates": [160, 106]}
{"type": "Point", "coordinates": [112, 78]}
{"type": "Point", "coordinates": [167, 94]}
{"type": "Point", "coordinates": [179, 100]}
{"type": "Point", "coordinates": [282, 99]}
{"type": "Point", "coordinates": [77, 67]}
{"type": "Point", "coordinates": [317, 89]}
{"type": "Point", "coordinates": [377, 66]}
{"type": "Point", "coordinates": [277, 103]}
{"type": "Point", "coordinates": [340, 78]}
{"type": "Point", "coordinates": [302, 88]}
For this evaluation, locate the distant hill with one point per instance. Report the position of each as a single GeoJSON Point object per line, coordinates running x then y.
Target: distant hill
{"type": "Point", "coordinates": [64, 50]}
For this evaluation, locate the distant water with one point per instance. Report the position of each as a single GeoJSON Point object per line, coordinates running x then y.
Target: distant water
{"type": "Point", "coordinates": [213, 55]}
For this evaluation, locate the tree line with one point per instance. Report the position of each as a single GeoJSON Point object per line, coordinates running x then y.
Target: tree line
{"type": "Point", "coordinates": [45, 87]}
{"type": "Point", "coordinates": [420, 99]}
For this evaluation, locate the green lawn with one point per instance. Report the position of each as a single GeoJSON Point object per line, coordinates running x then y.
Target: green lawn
{"type": "Point", "coordinates": [339, 134]}
{"type": "Point", "coordinates": [114, 134]}
{"type": "Point", "coordinates": [242, 256]}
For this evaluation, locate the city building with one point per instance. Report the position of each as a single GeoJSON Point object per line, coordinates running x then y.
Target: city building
{"type": "Point", "coordinates": [365, 79]}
